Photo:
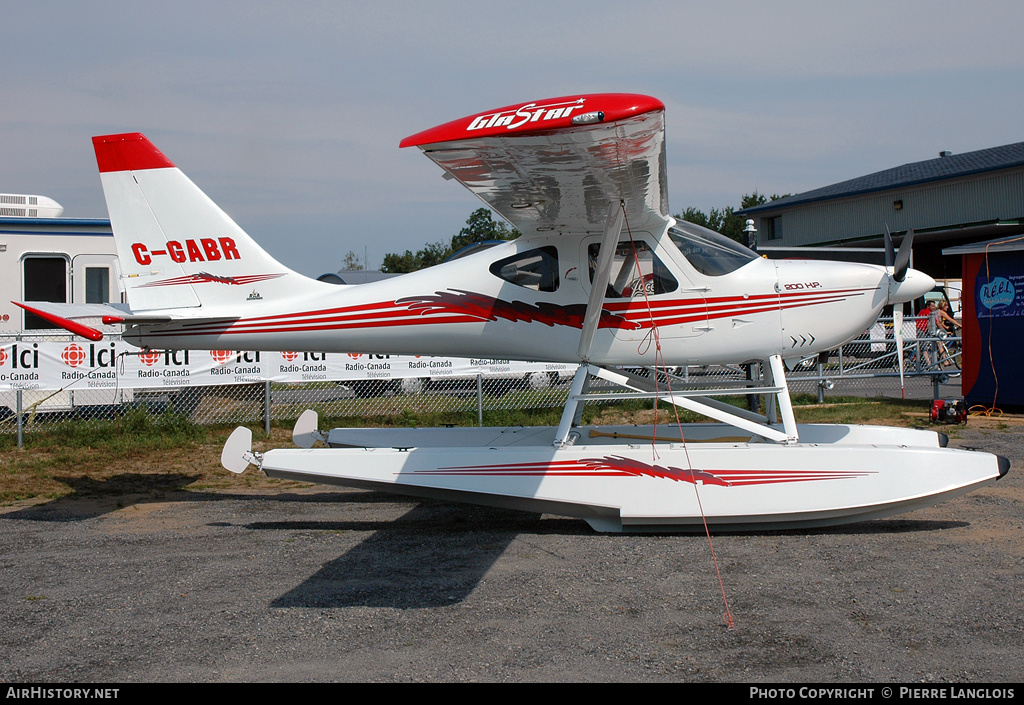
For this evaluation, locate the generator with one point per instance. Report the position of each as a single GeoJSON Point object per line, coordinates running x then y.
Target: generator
{"type": "Point", "coordinates": [949, 411]}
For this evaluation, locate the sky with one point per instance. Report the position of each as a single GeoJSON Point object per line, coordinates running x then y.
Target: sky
{"type": "Point", "coordinates": [289, 115]}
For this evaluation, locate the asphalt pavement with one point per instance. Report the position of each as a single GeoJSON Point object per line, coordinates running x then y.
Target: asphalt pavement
{"type": "Point", "coordinates": [318, 584]}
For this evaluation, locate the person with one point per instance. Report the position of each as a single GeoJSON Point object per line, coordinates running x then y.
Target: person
{"type": "Point", "coordinates": [945, 326]}
{"type": "Point", "coordinates": [928, 348]}
{"type": "Point", "coordinates": [940, 323]}
{"type": "Point", "coordinates": [946, 320]}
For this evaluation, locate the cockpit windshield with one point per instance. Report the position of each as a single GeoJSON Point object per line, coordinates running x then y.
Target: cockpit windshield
{"type": "Point", "coordinates": [709, 252]}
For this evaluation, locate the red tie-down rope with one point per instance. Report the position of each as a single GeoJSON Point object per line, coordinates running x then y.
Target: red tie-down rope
{"type": "Point", "coordinates": [659, 363]}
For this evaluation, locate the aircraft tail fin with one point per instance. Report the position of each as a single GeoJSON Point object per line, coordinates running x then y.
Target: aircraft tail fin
{"type": "Point", "coordinates": [177, 248]}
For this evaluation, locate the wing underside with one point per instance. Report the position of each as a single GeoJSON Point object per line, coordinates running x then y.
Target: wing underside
{"type": "Point", "coordinates": [561, 178]}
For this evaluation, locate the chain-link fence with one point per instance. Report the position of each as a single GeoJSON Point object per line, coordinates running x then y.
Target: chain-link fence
{"type": "Point", "coordinates": [870, 365]}
{"type": "Point", "coordinates": [867, 366]}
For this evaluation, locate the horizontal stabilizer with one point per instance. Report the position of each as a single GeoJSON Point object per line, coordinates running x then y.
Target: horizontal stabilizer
{"type": "Point", "coordinates": [67, 324]}
{"type": "Point", "coordinates": [83, 319]}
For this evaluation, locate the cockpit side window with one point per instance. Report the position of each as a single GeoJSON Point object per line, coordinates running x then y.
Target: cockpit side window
{"type": "Point", "coordinates": [626, 281]}
{"type": "Point", "coordinates": [534, 269]}
{"type": "Point", "coordinates": [709, 252]}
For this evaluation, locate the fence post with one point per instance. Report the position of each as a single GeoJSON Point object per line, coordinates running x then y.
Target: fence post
{"type": "Point", "coordinates": [21, 418]}
{"type": "Point", "coordinates": [21, 421]}
{"type": "Point", "coordinates": [753, 375]}
{"type": "Point", "coordinates": [266, 407]}
{"type": "Point", "coordinates": [479, 399]}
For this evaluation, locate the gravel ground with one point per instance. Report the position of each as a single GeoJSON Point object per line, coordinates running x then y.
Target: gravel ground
{"type": "Point", "coordinates": [322, 584]}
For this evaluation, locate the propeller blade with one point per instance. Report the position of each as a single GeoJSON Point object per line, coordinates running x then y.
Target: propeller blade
{"type": "Point", "coordinates": [890, 252]}
{"type": "Point", "coordinates": [902, 261]}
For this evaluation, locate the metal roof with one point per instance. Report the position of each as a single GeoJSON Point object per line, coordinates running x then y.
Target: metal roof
{"type": "Point", "coordinates": [942, 168]}
{"type": "Point", "coordinates": [1013, 243]}
{"type": "Point", "coordinates": [16, 220]}
{"type": "Point", "coordinates": [86, 227]}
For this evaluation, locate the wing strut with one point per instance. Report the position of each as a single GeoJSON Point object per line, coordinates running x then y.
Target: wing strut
{"type": "Point", "coordinates": [700, 401]}
{"type": "Point", "coordinates": [591, 320]}
{"type": "Point", "coordinates": [595, 304]}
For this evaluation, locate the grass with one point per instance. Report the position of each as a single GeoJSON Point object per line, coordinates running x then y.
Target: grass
{"type": "Point", "coordinates": [153, 456]}
{"type": "Point", "coordinates": [856, 410]}
{"type": "Point", "coordinates": [133, 431]}
{"type": "Point", "coordinates": [51, 458]}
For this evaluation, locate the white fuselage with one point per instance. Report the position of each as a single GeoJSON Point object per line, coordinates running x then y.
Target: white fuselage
{"type": "Point", "coordinates": [474, 307]}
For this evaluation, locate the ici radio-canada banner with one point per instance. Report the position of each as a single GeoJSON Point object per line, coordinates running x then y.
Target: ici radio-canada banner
{"type": "Point", "coordinates": [49, 365]}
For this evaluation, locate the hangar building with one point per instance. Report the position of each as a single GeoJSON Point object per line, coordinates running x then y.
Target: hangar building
{"type": "Point", "coordinates": [956, 199]}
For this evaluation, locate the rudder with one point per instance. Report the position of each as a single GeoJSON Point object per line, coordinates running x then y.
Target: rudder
{"type": "Point", "coordinates": [177, 248]}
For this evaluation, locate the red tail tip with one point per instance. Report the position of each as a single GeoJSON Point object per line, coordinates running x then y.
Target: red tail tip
{"type": "Point", "coordinates": [130, 151]}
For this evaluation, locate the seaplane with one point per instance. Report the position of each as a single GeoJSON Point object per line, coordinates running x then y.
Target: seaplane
{"type": "Point", "coordinates": [602, 277]}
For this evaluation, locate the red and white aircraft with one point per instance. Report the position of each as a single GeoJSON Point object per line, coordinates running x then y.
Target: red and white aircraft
{"type": "Point", "coordinates": [602, 276]}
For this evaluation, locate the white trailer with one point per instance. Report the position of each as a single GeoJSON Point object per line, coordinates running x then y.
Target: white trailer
{"type": "Point", "coordinates": [64, 260]}
{"type": "Point", "coordinates": [25, 205]}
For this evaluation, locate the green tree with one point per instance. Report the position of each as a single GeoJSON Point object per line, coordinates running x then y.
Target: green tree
{"type": "Point", "coordinates": [757, 199]}
{"type": "Point", "coordinates": [725, 221]}
{"type": "Point", "coordinates": [351, 261]}
{"type": "Point", "coordinates": [480, 226]}
{"type": "Point", "coordinates": [399, 263]}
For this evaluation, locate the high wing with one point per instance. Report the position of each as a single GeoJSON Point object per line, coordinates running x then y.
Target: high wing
{"type": "Point", "coordinates": [553, 166]}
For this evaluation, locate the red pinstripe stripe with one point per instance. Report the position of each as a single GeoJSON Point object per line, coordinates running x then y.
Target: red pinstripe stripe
{"type": "Point", "coordinates": [389, 314]}
{"type": "Point", "coordinates": [601, 468]}
{"type": "Point", "coordinates": [299, 328]}
{"type": "Point", "coordinates": [370, 319]}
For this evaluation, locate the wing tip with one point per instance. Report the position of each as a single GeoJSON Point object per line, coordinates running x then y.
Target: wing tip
{"type": "Point", "coordinates": [128, 151]}
{"type": "Point", "coordinates": [537, 116]}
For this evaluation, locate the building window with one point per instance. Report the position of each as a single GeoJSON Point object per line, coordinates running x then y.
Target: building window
{"type": "Point", "coordinates": [771, 228]}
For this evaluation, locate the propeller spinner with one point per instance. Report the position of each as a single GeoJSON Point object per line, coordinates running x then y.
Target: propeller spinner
{"type": "Point", "coordinates": [905, 284]}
